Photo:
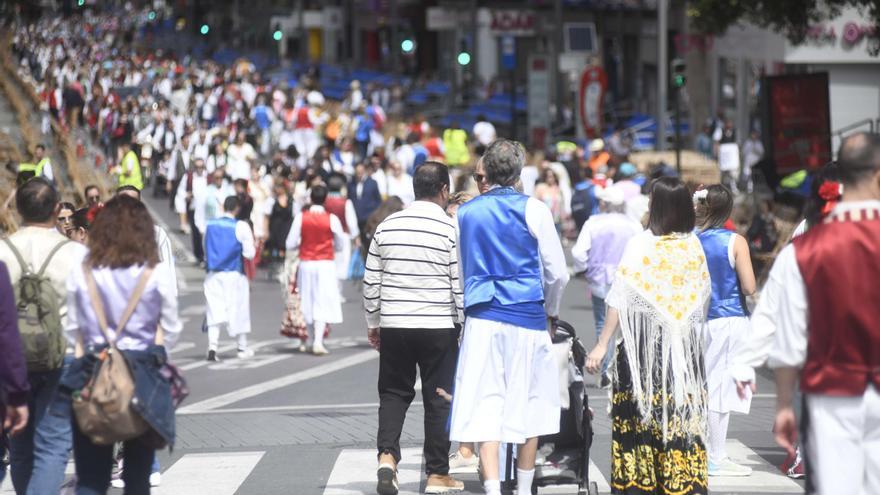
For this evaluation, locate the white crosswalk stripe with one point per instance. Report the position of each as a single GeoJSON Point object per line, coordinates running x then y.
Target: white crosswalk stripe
{"type": "Point", "coordinates": [215, 473]}
{"type": "Point", "coordinates": [355, 472]}
{"type": "Point", "coordinates": [765, 477]}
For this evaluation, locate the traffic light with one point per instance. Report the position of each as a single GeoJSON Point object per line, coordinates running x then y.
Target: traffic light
{"type": "Point", "coordinates": [464, 58]}
{"type": "Point", "coordinates": [679, 79]}
{"type": "Point", "coordinates": [408, 46]}
{"type": "Point", "coordinates": [152, 15]}
{"type": "Point", "coordinates": [204, 29]}
{"type": "Point", "coordinates": [80, 3]}
{"type": "Point", "coordinates": [277, 34]}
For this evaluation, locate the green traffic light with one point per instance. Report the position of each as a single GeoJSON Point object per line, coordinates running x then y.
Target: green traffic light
{"type": "Point", "coordinates": [277, 35]}
{"type": "Point", "coordinates": [464, 58]}
{"type": "Point", "coordinates": [151, 16]}
{"type": "Point", "coordinates": [679, 80]}
{"type": "Point", "coordinates": [205, 28]}
{"type": "Point", "coordinates": [80, 3]}
{"type": "Point", "coordinates": [407, 46]}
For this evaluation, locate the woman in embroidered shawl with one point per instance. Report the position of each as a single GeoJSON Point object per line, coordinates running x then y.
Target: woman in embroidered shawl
{"type": "Point", "coordinates": [658, 404]}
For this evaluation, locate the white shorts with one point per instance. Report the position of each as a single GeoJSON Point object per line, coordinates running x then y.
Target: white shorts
{"type": "Point", "coordinates": [506, 384]}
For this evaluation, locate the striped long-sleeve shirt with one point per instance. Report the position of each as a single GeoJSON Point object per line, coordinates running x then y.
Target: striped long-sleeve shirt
{"type": "Point", "coordinates": [411, 278]}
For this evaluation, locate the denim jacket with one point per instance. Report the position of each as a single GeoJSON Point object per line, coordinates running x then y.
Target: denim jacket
{"type": "Point", "coordinates": [152, 400]}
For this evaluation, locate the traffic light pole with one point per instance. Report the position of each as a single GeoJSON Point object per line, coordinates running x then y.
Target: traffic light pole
{"type": "Point", "coordinates": [678, 130]}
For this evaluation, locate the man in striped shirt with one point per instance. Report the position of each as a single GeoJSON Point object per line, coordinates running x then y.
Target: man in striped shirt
{"type": "Point", "coordinates": [413, 304]}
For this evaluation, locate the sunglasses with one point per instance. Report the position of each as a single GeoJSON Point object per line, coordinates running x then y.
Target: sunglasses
{"type": "Point", "coordinates": [479, 177]}
{"type": "Point", "coordinates": [93, 199]}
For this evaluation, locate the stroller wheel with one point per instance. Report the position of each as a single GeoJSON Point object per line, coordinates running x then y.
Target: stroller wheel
{"type": "Point", "coordinates": [594, 488]}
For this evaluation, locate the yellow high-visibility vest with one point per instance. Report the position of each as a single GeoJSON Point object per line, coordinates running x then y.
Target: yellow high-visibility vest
{"type": "Point", "coordinates": [132, 178]}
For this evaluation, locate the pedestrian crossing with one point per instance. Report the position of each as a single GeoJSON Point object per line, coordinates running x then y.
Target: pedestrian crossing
{"type": "Point", "coordinates": [353, 472]}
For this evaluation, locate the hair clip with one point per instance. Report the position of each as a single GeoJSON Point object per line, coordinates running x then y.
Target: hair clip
{"type": "Point", "coordinates": [701, 195]}
{"type": "Point", "coordinates": [830, 192]}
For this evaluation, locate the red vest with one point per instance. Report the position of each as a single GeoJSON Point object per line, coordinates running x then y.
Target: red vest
{"type": "Point", "coordinates": [336, 206]}
{"type": "Point", "coordinates": [302, 119]}
{"type": "Point", "coordinates": [317, 238]}
{"type": "Point", "coordinates": [840, 264]}
{"type": "Point", "coordinates": [433, 147]}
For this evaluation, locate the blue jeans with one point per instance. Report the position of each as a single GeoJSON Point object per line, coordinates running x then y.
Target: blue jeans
{"type": "Point", "coordinates": [94, 465]}
{"type": "Point", "coordinates": [599, 318]}
{"type": "Point", "coordinates": [39, 454]}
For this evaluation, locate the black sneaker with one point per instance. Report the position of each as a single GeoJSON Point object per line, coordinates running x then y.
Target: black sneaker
{"type": "Point", "coordinates": [212, 356]}
{"type": "Point", "coordinates": [387, 484]}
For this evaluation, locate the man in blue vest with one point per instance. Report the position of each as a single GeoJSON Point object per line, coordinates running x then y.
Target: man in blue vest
{"type": "Point", "coordinates": [514, 272]}
{"type": "Point", "coordinates": [227, 292]}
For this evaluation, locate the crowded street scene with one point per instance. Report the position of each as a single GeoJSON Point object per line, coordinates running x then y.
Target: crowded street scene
{"type": "Point", "coordinates": [394, 247]}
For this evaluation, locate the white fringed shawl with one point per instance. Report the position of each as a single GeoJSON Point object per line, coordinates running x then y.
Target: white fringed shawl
{"type": "Point", "coordinates": [661, 290]}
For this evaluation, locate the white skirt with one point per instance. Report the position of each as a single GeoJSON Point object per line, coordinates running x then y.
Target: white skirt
{"type": "Point", "coordinates": [724, 336]}
{"type": "Point", "coordinates": [319, 291]}
{"type": "Point", "coordinates": [228, 301]}
{"type": "Point", "coordinates": [506, 384]}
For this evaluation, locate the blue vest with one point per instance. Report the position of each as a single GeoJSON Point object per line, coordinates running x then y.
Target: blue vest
{"type": "Point", "coordinates": [222, 248]}
{"type": "Point", "coordinates": [726, 298]}
{"type": "Point", "coordinates": [500, 261]}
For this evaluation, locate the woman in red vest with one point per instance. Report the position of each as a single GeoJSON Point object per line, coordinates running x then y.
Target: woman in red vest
{"type": "Point", "coordinates": [317, 234]}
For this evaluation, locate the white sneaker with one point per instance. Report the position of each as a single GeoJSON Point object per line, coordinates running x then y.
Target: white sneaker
{"type": "Point", "coordinates": [303, 348]}
{"type": "Point", "coordinates": [319, 350]}
{"type": "Point", "coordinates": [245, 353]}
{"type": "Point", "coordinates": [117, 483]}
{"type": "Point", "coordinates": [155, 479]}
{"type": "Point", "coordinates": [729, 468]}
{"type": "Point", "coordinates": [459, 464]}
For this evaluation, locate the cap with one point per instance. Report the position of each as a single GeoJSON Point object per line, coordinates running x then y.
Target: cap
{"type": "Point", "coordinates": [627, 169]}
{"type": "Point", "coordinates": [597, 145]}
{"type": "Point", "coordinates": [611, 195]}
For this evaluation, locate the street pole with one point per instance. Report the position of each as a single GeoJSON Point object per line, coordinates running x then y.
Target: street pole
{"type": "Point", "coordinates": [475, 57]}
{"type": "Point", "coordinates": [395, 47]}
{"type": "Point", "coordinates": [678, 130]}
{"type": "Point", "coordinates": [513, 95]}
{"type": "Point", "coordinates": [662, 72]}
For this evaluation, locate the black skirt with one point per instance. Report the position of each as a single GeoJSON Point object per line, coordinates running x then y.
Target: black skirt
{"type": "Point", "coordinates": [642, 462]}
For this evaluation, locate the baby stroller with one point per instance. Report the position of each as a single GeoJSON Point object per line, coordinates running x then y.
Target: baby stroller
{"type": "Point", "coordinates": [564, 458]}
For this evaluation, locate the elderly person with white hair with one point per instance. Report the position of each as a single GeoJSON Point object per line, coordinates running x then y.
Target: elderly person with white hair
{"type": "Point", "coordinates": [514, 272]}
{"type": "Point", "coordinates": [597, 253]}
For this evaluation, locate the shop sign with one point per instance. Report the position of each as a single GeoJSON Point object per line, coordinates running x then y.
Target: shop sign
{"type": "Point", "coordinates": [513, 22]}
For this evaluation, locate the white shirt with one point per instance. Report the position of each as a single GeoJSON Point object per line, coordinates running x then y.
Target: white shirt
{"type": "Point", "coordinates": [529, 176]}
{"type": "Point", "coordinates": [238, 160]}
{"type": "Point", "coordinates": [34, 245]}
{"type": "Point", "coordinates": [485, 133]}
{"type": "Point", "coordinates": [596, 226]}
{"type": "Point", "coordinates": [295, 235]}
{"type": "Point", "coordinates": [166, 256]}
{"type": "Point", "coordinates": [402, 187]}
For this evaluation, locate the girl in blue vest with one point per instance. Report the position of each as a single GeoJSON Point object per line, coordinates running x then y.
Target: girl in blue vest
{"type": "Point", "coordinates": [730, 269]}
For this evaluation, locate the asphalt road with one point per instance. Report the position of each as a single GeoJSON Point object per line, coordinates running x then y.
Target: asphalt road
{"type": "Point", "coordinates": [285, 422]}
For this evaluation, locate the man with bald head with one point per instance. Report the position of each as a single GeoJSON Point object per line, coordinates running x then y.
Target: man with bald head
{"type": "Point", "coordinates": [828, 329]}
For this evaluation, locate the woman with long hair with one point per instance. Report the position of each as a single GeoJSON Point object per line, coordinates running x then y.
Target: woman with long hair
{"type": "Point", "coordinates": [123, 259]}
{"type": "Point", "coordinates": [732, 276]}
{"type": "Point", "coordinates": [65, 217]}
{"type": "Point", "coordinates": [657, 302]}
{"type": "Point", "coordinates": [548, 191]}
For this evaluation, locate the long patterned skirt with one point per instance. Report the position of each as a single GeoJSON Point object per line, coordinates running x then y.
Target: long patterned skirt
{"type": "Point", "coordinates": [642, 463]}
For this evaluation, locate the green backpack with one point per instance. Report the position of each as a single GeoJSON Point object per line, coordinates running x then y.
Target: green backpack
{"type": "Point", "coordinates": [39, 315]}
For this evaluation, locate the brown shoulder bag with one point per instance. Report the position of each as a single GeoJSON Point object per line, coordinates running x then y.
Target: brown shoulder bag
{"type": "Point", "coordinates": [103, 407]}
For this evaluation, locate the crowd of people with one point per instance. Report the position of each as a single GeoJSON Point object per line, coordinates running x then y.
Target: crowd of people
{"type": "Point", "coordinates": [459, 238]}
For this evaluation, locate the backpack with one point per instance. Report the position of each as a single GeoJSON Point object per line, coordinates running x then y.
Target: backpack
{"type": "Point", "coordinates": [39, 315]}
{"type": "Point", "coordinates": [582, 203]}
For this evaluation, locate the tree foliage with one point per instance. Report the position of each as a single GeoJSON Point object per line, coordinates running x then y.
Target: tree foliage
{"type": "Point", "coordinates": [792, 18]}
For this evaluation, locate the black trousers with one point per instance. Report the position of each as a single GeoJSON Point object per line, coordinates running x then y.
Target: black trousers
{"type": "Point", "coordinates": [198, 249]}
{"type": "Point", "coordinates": [435, 352]}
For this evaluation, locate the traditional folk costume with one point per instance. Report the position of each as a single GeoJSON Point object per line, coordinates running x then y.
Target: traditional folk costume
{"type": "Point", "coordinates": [658, 404]}
{"type": "Point", "coordinates": [337, 204]}
{"type": "Point", "coordinates": [314, 233]}
{"type": "Point", "coordinates": [828, 326]}
{"type": "Point", "coordinates": [506, 384]}
{"type": "Point", "coordinates": [227, 291]}
{"type": "Point", "coordinates": [727, 326]}
{"type": "Point", "coordinates": [305, 134]}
